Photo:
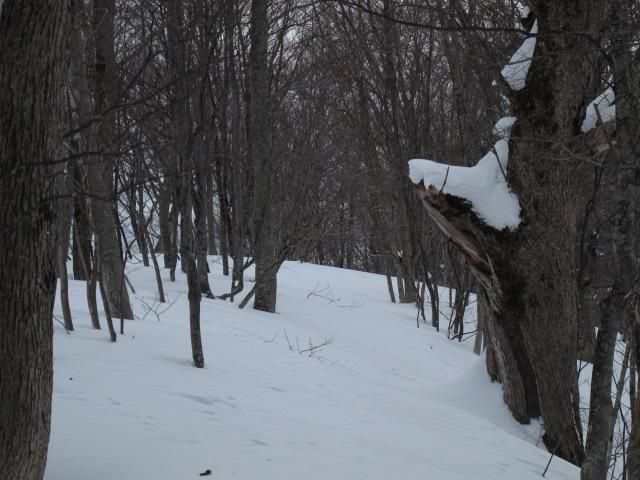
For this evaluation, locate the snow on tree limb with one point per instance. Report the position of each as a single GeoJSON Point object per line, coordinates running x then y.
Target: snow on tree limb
{"type": "Point", "coordinates": [515, 72]}
{"type": "Point", "coordinates": [483, 185]}
{"type": "Point", "coordinates": [503, 126]}
{"type": "Point", "coordinates": [601, 110]}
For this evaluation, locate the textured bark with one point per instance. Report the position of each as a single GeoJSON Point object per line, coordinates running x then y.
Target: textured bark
{"type": "Point", "coordinates": [202, 171]}
{"type": "Point", "coordinates": [156, 269]}
{"type": "Point", "coordinates": [626, 155]}
{"type": "Point", "coordinates": [211, 220]}
{"type": "Point", "coordinates": [64, 209]}
{"type": "Point", "coordinates": [634, 439]}
{"type": "Point", "coordinates": [478, 341]}
{"type": "Point", "coordinates": [136, 202]}
{"type": "Point", "coordinates": [404, 215]}
{"type": "Point", "coordinates": [528, 275]}
{"type": "Point", "coordinates": [33, 37]}
{"type": "Point", "coordinates": [83, 255]}
{"type": "Point", "coordinates": [237, 232]}
{"type": "Point", "coordinates": [183, 150]}
{"type": "Point", "coordinates": [165, 222]}
{"type": "Point", "coordinates": [388, 264]}
{"type": "Point", "coordinates": [225, 217]}
{"type": "Point", "coordinates": [262, 156]}
{"type": "Point", "coordinates": [98, 171]}
{"type": "Point", "coordinates": [81, 222]}
{"type": "Point", "coordinates": [99, 279]}
{"type": "Point", "coordinates": [92, 304]}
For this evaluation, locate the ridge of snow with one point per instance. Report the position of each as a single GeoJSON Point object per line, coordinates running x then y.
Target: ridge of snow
{"type": "Point", "coordinates": [606, 107]}
{"type": "Point", "coordinates": [515, 72]}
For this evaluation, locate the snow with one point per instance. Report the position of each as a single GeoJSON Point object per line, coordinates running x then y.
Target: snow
{"type": "Point", "coordinates": [524, 11]}
{"type": "Point", "coordinates": [515, 72]}
{"type": "Point", "coordinates": [484, 185]}
{"type": "Point", "coordinates": [503, 126]}
{"type": "Point", "coordinates": [384, 401]}
{"type": "Point", "coordinates": [606, 107]}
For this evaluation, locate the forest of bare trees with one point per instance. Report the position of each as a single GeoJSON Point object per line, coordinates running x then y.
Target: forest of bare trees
{"type": "Point", "coordinates": [160, 132]}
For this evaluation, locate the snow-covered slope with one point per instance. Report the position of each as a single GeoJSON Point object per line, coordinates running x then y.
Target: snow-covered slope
{"type": "Point", "coordinates": [384, 400]}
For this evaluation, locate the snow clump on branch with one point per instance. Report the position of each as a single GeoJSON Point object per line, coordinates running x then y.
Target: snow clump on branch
{"type": "Point", "coordinates": [483, 185]}
{"type": "Point", "coordinates": [605, 103]}
{"type": "Point", "coordinates": [516, 71]}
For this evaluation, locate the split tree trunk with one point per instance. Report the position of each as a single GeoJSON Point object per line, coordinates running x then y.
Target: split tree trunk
{"type": "Point", "coordinates": [528, 276]}
{"type": "Point", "coordinates": [33, 38]}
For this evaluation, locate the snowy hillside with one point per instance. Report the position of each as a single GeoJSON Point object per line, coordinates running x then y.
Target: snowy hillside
{"type": "Point", "coordinates": [381, 401]}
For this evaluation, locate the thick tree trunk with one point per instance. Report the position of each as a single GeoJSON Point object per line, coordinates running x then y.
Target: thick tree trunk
{"type": "Point", "coordinates": [33, 37]}
{"type": "Point", "coordinates": [528, 276]}
{"type": "Point", "coordinates": [261, 155]}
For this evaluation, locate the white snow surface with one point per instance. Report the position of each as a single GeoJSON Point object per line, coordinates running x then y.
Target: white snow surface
{"type": "Point", "coordinates": [502, 128]}
{"type": "Point", "coordinates": [516, 71]}
{"type": "Point", "coordinates": [524, 11]}
{"type": "Point", "coordinates": [384, 401]}
{"type": "Point", "coordinates": [484, 185]}
{"type": "Point", "coordinates": [606, 107]}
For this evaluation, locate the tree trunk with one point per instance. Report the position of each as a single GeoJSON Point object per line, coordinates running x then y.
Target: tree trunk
{"type": "Point", "coordinates": [634, 437]}
{"type": "Point", "coordinates": [626, 155]}
{"type": "Point", "coordinates": [99, 279]}
{"type": "Point", "coordinates": [528, 276]}
{"type": "Point", "coordinates": [156, 269]}
{"type": "Point", "coordinates": [64, 208]}
{"type": "Point", "coordinates": [33, 42]}
{"type": "Point", "coordinates": [261, 154]}
{"type": "Point", "coordinates": [81, 222]}
{"type": "Point", "coordinates": [211, 220]}
{"type": "Point", "coordinates": [102, 209]}
{"type": "Point", "coordinates": [183, 151]}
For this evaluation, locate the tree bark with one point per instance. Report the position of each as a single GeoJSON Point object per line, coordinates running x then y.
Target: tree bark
{"type": "Point", "coordinates": [183, 151]}
{"type": "Point", "coordinates": [81, 222]}
{"type": "Point", "coordinates": [63, 229]}
{"type": "Point", "coordinates": [98, 176]}
{"type": "Point", "coordinates": [33, 38]}
{"type": "Point", "coordinates": [261, 154]}
{"type": "Point", "coordinates": [528, 276]}
{"type": "Point", "coordinates": [622, 297]}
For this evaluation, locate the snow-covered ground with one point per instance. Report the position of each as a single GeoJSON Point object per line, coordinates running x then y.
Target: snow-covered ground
{"type": "Point", "coordinates": [383, 400]}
